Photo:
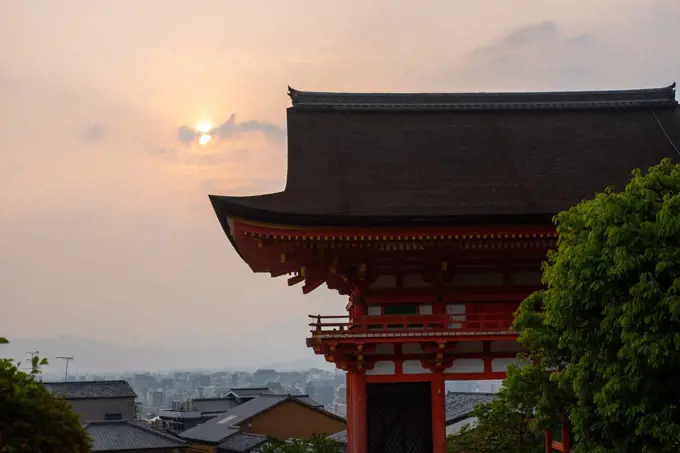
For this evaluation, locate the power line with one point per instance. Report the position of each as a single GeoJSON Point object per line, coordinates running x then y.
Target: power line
{"type": "Point", "coordinates": [67, 360]}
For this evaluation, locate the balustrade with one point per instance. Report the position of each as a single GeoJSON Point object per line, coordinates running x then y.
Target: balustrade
{"type": "Point", "coordinates": [469, 322]}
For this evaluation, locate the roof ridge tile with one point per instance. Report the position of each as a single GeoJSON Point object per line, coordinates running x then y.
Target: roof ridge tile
{"type": "Point", "coordinates": [645, 97]}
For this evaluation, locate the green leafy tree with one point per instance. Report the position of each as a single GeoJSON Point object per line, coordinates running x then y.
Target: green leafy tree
{"type": "Point", "coordinates": [31, 418]}
{"type": "Point", "coordinates": [318, 443]}
{"type": "Point", "coordinates": [604, 335]}
{"type": "Point", "coordinates": [504, 425]}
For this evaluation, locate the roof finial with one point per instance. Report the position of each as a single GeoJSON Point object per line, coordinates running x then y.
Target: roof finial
{"type": "Point", "coordinates": [292, 93]}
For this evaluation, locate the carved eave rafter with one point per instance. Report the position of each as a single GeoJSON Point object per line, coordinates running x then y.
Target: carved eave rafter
{"type": "Point", "coordinates": [284, 233]}
{"type": "Point", "coordinates": [338, 257]}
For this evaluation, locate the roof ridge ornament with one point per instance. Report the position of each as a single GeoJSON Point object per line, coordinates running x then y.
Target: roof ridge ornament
{"type": "Point", "coordinates": [541, 100]}
{"type": "Point", "coordinates": [293, 93]}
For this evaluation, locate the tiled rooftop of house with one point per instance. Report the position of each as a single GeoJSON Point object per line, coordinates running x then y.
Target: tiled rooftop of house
{"type": "Point", "coordinates": [241, 443]}
{"type": "Point", "coordinates": [221, 427]}
{"type": "Point", "coordinates": [91, 389]}
{"type": "Point", "coordinates": [128, 436]}
{"type": "Point", "coordinates": [460, 405]}
{"type": "Point", "coordinates": [340, 437]}
{"type": "Point", "coordinates": [213, 405]}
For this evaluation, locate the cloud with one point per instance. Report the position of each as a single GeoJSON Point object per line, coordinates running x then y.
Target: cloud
{"type": "Point", "coordinates": [186, 134]}
{"type": "Point", "coordinates": [540, 55]}
{"type": "Point", "coordinates": [231, 129]}
{"type": "Point", "coordinates": [542, 33]}
{"type": "Point", "coordinates": [214, 157]}
{"type": "Point", "coordinates": [94, 133]}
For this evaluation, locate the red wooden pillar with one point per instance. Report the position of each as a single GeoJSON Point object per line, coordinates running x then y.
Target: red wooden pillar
{"type": "Point", "coordinates": [438, 391]}
{"type": "Point", "coordinates": [356, 423]}
{"type": "Point", "coordinates": [566, 436]}
{"type": "Point", "coordinates": [359, 312]}
{"type": "Point", "coordinates": [548, 440]}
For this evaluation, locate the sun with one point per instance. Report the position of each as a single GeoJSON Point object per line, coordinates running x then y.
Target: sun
{"type": "Point", "coordinates": [204, 139]}
{"type": "Point", "coordinates": [204, 127]}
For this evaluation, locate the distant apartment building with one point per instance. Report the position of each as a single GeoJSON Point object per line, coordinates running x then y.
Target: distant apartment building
{"type": "Point", "coordinates": [262, 376]}
{"type": "Point", "coordinates": [322, 391]}
{"type": "Point", "coordinates": [155, 399]}
{"type": "Point", "coordinates": [97, 400]}
{"type": "Point", "coordinates": [200, 380]}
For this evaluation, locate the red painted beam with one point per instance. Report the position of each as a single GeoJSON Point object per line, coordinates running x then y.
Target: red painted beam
{"type": "Point", "coordinates": [431, 295]}
{"type": "Point", "coordinates": [374, 379]}
{"type": "Point", "coordinates": [415, 339]}
{"type": "Point", "coordinates": [392, 357]}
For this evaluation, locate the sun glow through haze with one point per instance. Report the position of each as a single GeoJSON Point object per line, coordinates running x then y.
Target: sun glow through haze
{"type": "Point", "coordinates": [204, 129]}
{"type": "Point", "coordinates": [204, 139]}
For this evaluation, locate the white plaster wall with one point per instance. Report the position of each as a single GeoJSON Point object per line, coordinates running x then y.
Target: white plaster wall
{"type": "Point", "coordinates": [498, 365]}
{"type": "Point", "coordinates": [505, 346]}
{"type": "Point", "coordinates": [414, 367]}
{"type": "Point", "coordinates": [96, 409]}
{"type": "Point", "coordinates": [382, 368]}
{"type": "Point", "coordinates": [466, 366]}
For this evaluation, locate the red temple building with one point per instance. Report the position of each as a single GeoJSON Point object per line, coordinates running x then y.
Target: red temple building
{"type": "Point", "coordinates": [432, 213]}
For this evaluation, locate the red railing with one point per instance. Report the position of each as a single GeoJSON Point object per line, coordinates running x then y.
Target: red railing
{"type": "Point", "coordinates": [470, 322]}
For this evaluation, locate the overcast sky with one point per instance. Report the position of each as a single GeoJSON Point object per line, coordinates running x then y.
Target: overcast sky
{"type": "Point", "coordinates": [106, 231]}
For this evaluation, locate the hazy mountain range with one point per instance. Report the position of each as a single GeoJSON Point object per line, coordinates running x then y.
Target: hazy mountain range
{"type": "Point", "coordinates": [100, 357]}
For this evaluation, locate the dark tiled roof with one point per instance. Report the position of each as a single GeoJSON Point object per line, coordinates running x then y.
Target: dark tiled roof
{"type": "Point", "coordinates": [219, 428]}
{"type": "Point", "coordinates": [127, 435]}
{"type": "Point", "coordinates": [250, 392]}
{"type": "Point", "coordinates": [91, 389]}
{"type": "Point", "coordinates": [654, 97]}
{"type": "Point", "coordinates": [208, 405]}
{"type": "Point", "coordinates": [306, 399]}
{"type": "Point", "coordinates": [242, 442]}
{"type": "Point", "coordinates": [461, 405]}
{"type": "Point", "coordinates": [340, 437]}
{"type": "Point", "coordinates": [468, 166]}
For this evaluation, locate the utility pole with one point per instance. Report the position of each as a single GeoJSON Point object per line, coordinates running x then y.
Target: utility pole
{"type": "Point", "coordinates": [32, 354]}
{"type": "Point", "coordinates": [67, 360]}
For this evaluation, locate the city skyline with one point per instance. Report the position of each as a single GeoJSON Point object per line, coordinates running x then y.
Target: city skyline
{"type": "Point", "coordinates": [108, 234]}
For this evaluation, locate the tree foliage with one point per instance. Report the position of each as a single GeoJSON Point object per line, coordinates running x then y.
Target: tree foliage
{"type": "Point", "coordinates": [32, 419]}
{"type": "Point", "coordinates": [503, 426]}
{"type": "Point", "coordinates": [318, 443]}
{"type": "Point", "coordinates": [604, 335]}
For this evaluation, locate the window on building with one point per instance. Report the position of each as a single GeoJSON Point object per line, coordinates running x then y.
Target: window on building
{"type": "Point", "coordinates": [400, 309]}
{"type": "Point", "coordinates": [113, 417]}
